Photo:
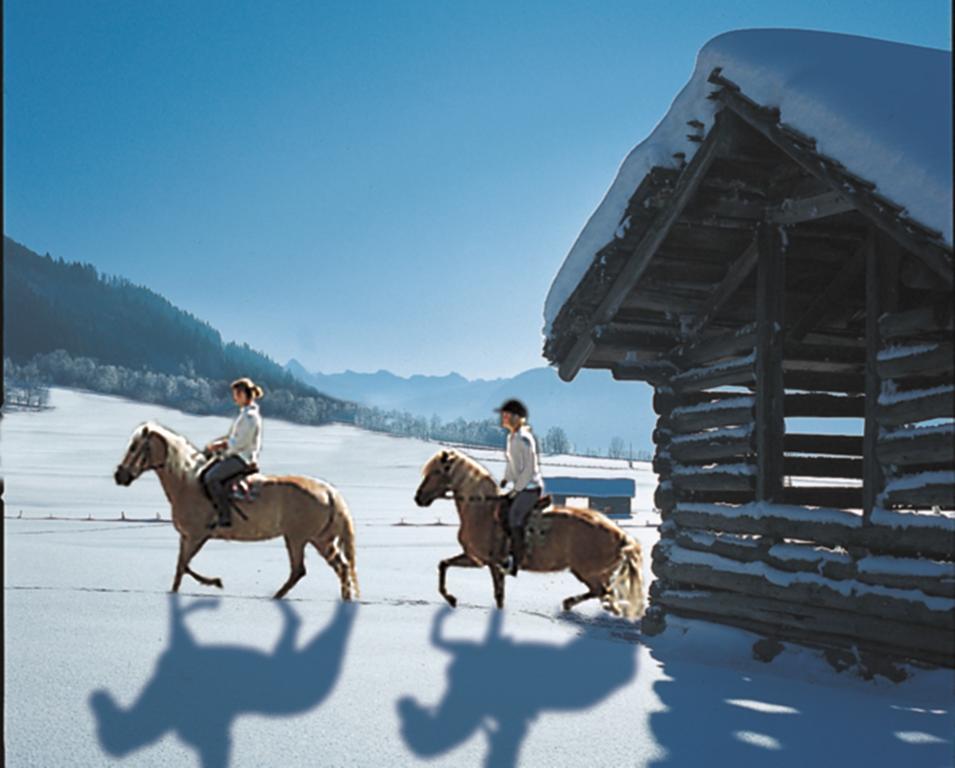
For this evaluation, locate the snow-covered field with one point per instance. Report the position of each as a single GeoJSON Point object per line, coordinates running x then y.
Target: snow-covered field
{"type": "Point", "coordinates": [103, 667]}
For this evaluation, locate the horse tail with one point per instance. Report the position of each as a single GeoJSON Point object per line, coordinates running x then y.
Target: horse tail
{"type": "Point", "coordinates": [627, 585]}
{"type": "Point", "coordinates": [346, 535]}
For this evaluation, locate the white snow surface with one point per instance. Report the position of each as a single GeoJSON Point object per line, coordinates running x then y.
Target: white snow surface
{"type": "Point", "coordinates": [883, 109]}
{"type": "Point", "coordinates": [103, 667]}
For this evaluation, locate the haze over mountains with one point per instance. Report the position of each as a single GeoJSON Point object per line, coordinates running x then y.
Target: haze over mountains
{"type": "Point", "coordinates": [592, 409]}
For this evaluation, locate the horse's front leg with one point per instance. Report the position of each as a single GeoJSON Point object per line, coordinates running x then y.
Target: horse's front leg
{"type": "Point", "coordinates": [188, 549]}
{"type": "Point", "coordinates": [461, 561]}
{"type": "Point", "coordinates": [497, 578]}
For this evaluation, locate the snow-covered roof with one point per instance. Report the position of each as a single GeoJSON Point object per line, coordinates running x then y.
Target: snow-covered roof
{"type": "Point", "coordinates": [883, 109]}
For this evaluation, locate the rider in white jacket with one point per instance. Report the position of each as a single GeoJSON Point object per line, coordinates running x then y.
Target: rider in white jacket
{"type": "Point", "coordinates": [522, 473]}
{"type": "Point", "coordinates": [238, 452]}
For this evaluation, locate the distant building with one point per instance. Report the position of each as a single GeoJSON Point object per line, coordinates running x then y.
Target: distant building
{"type": "Point", "coordinates": [611, 496]}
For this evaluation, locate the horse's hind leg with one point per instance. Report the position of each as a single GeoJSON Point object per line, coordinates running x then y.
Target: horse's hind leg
{"type": "Point", "coordinates": [594, 590]}
{"type": "Point", "coordinates": [460, 561]}
{"type": "Point", "coordinates": [296, 556]}
{"type": "Point", "coordinates": [334, 557]}
{"type": "Point", "coordinates": [188, 549]}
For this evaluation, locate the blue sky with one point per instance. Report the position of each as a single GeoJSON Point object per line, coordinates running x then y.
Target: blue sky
{"type": "Point", "coordinates": [358, 185]}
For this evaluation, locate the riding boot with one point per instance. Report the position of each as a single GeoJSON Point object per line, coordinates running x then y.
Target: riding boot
{"type": "Point", "coordinates": [517, 549]}
{"type": "Point", "coordinates": [224, 519]}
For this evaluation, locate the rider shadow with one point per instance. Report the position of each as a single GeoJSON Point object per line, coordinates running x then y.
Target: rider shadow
{"type": "Point", "coordinates": [500, 685]}
{"type": "Point", "coordinates": [197, 691]}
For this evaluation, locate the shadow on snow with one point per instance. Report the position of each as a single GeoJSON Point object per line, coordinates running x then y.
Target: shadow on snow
{"type": "Point", "coordinates": [197, 691]}
{"type": "Point", "coordinates": [716, 715]}
{"type": "Point", "coordinates": [500, 685]}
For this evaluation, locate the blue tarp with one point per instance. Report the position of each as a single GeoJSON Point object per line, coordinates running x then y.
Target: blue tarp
{"type": "Point", "coordinates": [596, 487]}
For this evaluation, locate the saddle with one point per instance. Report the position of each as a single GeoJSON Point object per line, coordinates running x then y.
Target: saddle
{"type": "Point", "coordinates": [539, 506]}
{"type": "Point", "coordinates": [243, 486]}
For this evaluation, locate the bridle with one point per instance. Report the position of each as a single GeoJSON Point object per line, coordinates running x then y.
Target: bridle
{"type": "Point", "coordinates": [448, 493]}
{"type": "Point", "coordinates": [141, 458]}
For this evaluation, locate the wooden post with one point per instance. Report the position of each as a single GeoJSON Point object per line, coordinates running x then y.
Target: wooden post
{"type": "Point", "coordinates": [770, 392]}
{"type": "Point", "coordinates": [881, 295]}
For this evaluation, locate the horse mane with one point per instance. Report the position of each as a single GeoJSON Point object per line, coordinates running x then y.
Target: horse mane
{"type": "Point", "coordinates": [177, 443]}
{"type": "Point", "coordinates": [467, 469]}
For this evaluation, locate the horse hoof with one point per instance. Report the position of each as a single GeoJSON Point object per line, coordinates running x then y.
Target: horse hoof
{"type": "Point", "coordinates": [452, 601]}
{"type": "Point", "coordinates": [217, 583]}
{"type": "Point", "coordinates": [567, 605]}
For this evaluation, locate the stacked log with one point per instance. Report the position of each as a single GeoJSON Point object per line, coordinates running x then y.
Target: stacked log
{"type": "Point", "coordinates": [916, 409]}
{"type": "Point", "coordinates": [817, 575]}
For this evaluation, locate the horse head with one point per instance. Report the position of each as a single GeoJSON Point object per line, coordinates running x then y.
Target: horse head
{"type": "Point", "coordinates": [147, 449]}
{"type": "Point", "coordinates": [438, 480]}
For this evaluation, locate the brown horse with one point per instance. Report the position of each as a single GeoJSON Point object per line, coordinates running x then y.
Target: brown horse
{"type": "Point", "coordinates": [595, 550]}
{"type": "Point", "coordinates": [302, 509]}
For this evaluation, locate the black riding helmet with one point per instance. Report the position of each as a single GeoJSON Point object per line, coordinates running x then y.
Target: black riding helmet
{"type": "Point", "coordinates": [513, 406]}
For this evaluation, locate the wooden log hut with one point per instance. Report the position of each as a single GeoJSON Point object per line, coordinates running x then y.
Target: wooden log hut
{"type": "Point", "coordinates": [763, 281]}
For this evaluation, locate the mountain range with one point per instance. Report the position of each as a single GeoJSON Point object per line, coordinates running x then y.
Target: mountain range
{"type": "Point", "coordinates": [592, 409]}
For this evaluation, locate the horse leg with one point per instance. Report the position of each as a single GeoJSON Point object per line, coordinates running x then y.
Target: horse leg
{"type": "Point", "coordinates": [188, 549]}
{"type": "Point", "coordinates": [592, 592]}
{"type": "Point", "coordinates": [459, 561]}
{"type": "Point", "coordinates": [497, 577]}
{"type": "Point", "coordinates": [334, 557]}
{"type": "Point", "coordinates": [296, 556]}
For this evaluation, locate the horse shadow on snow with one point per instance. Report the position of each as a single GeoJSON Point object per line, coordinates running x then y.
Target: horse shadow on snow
{"type": "Point", "coordinates": [197, 691]}
{"type": "Point", "coordinates": [499, 686]}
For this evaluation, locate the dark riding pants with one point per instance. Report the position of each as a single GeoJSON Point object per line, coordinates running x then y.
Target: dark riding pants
{"type": "Point", "coordinates": [521, 507]}
{"type": "Point", "coordinates": [217, 479]}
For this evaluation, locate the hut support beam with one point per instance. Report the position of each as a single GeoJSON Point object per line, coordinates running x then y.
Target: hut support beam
{"type": "Point", "coordinates": [770, 392]}
{"type": "Point", "coordinates": [881, 277]}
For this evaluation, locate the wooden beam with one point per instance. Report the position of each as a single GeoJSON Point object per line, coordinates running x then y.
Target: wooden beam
{"type": "Point", "coordinates": [735, 276]}
{"type": "Point", "coordinates": [881, 285]}
{"type": "Point", "coordinates": [810, 208]}
{"type": "Point", "coordinates": [645, 249]}
{"type": "Point", "coordinates": [770, 393]}
{"type": "Point", "coordinates": [936, 319]}
{"type": "Point", "coordinates": [819, 405]}
{"type": "Point", "coordinates": [829, 298]}
{"type": "Point", "coordinates": [934, 255]}
{"type": "Point", "coordinates": [712, 348]}
{"type": "Point", "coordinates": [823, 445]}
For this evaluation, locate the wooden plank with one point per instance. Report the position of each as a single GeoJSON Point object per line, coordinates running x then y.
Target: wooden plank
{"type": "Point", "coordinates": [770, 393]}
{"type": "Point", "coordinates": [936, 256]}
{"type": "Point", "coordinates": [712, 479]}
{"type": "Point", "coordinates": [932, 446]}
{"type": "Point", "coordinates": [823, 445]}
{"type": "Point", "coordinates": [814, 381]}
{"type": "Point", "coordinates": [713, 446]}
{"type": "Point", "coordinates": [823, 406]}
{"type": "Point", "coordinates": [808, 623]}
{"type": "Point", "coordinates": [647, 246]}
{"type": "Point", "coordinates": [919, 322]}
{"type": "Point", "coordinates": [694, 421]}
{"type": "Point", "coordinates": [665, 399]}
{"type": "Point", "coordinates": [676, 565]}
{"type": "Point", "coordinates": [933, 578]}
{"type": "Point", "coordinates": [872, 476]}
{"type": "Point", "coordinates": [809, 208]}
{"type": "Point", "coordinates": [932, 494]}
{"type": "Point", "coordinates": [716, 347]}
{"type": "Point", "coordinates": [831, 530]}
{"type": "Point", "coordinates": [731, 373]}
{"type": "Point", "coordinates": [822, 466]}
{"type": "Point", "coordinates": [735, 276]}
{"type": "Point", "coordinates": [834, 497]}
{"type": "Point", "coordinates": [919, 405]}
{"type": "Point", "coordinates": [936, 359]}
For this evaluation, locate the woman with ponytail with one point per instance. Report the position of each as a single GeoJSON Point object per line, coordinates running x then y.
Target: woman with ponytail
{"type": "Point", "coordinates": [236, 453]}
